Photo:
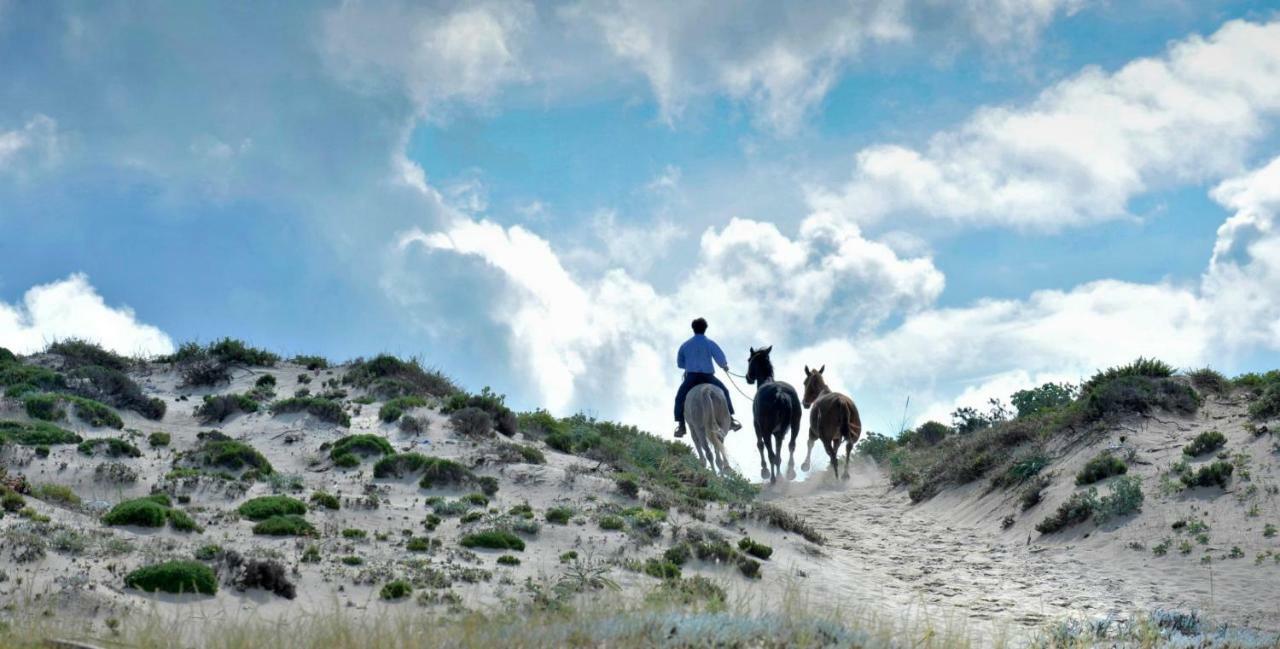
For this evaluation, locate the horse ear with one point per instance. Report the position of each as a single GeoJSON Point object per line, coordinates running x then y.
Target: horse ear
{"type": "Point", "coordinates": [768, 349]}
{"type": "Point", "coordinates": [822, 369]}
{"type": "Point", "coordinates": [806, 370]}
{"type": "Point", "coordinates": [752, 350]}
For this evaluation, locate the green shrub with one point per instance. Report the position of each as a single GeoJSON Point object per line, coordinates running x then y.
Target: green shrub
{"type": "Point", "coordinates": [1047, 397]}
{"type": "Point", "coordinates": [289, 525]}
{"type": "Point", "coordinates": [1031, 494]}
{"type": "Point", "coordinates": [95, 414]}
{"type": "Point", "coordinates": [1101, 467]}
{"type": "Point", "coordinates": [612, 523]}
{"type": "Point", "coordinates": [114, 447]}
{"type": "Point", "coordinates": [1127, 394]}
{"type": "Point", "coordinates": [750, 568]}
{"type": "Point", "coordinates": [398, 589]}
{"type": "Point", "coordinates": [389, 377]}
{"type": "Point", "coordinates": [1209, 380]}
{"type": "Point", "coordinates": [476, 500]}
{"type": "Point", "coordinates": [487, 484]}
{"type": "Point", "coordinates": [1216, 474]}
{"type": "Point", "coordinates": [492, 403]}
{"type": "Point", "coordinates": [11, 501]}
{"type": "Point", "coordinates": [876, 446]}
{"type": "Point", "coordinates": [1125, 498]}
{"type": "Point", "coordinates": [352, 447]}
{"type": "Point", "coordinates": [76, 352]}
{"type": "Point", "coordinates": [493, 540]}
{"type": "Point", "coordinates": [559, 515]}
{"type": "Point", "coordinates": [322, 409]}
{"type": "Point", "coordinates": [216, 409]}
{"type": "Point", "coordinates": [569, 557]}
{"type": "Point", "coordinates": [231, 454]}
{"type": "Point", "coordinates": [439, 472]}
{"type": "Point", "coordinates": [264, 507]}
{"type": "Point", "coordinates": [755, 549]}
{"type": "Point", "coordinates": [158, 439]}
{"type": "Point", "coordinates": [208, 552]}
{"type": "Point", "coordinates": [351, 533]}
{"type": "Point", "coordinates": [508, 560]}
{"type": "Point", "coordinates": [174, 577]}
{"type": "Point", "coordinates": [312, 363]}
{"type": "Point", "coordinates": [1267, 405]}
{"type": "Point", "coordinates": [326, 500]}
{"type": "Point", "coordinates": [1142, 367]}
{"type": "Point", "coordinates": [56, 493]}
{"type": "Point", "coordinates": [46, 407]}
{"type": "Point", "coordinates": [1077, 509]}
{"type": "Point", "coordinates": [182, 522]}
{"type": "Point", "coordinates": [537, 424]}
{"type": "Point", "coordinates": [393, 409]}
{"type": "Point", "coordinates": [677, 554]}
{"type": "Point", "coordinates": [150, 511]}
{"type": "Point", "coordinates": [661, 569]}
{"type": "Point", "coordinates": [229, 350]}
{"type": "Point", "coordinates": [115, 388]}
{"type": "Point", "coordinates": [400, 465]}
{"type": "Point", "coordinates": [1206, 442]}
{"type": "Point", "coordinates": [418, 544]}
{"type": "Point", "coordinates": [471, 422]}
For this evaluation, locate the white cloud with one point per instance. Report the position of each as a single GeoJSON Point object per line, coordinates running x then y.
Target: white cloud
{"type": "Point", "coordinates": [466, 54]}
{"type": "Point", "coordinates": [781, 59]}
{"type": "Point", "coordinates": [35, 144]}
{"type": "Point", "coordinates": [1087, 145]}
{"type": "Point", "coordinates": [72, 308]}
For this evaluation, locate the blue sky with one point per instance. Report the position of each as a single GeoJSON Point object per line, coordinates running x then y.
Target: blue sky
{"type": "Point", "coordinates": [940, 202]}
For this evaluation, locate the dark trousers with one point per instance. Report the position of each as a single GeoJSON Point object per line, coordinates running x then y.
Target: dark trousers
{"type": "Point", "coordinates": [692, 380]}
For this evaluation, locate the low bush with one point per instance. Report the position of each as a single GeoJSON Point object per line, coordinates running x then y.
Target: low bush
{"type": "Point", "coordinates": [1209, 381]}
{"type": "Point", "coordinates": [389, 377]}
{"type": "Point", "coordinates": [1047, 397]}
{"type": "Point", "coordinates": [208, 552]}
{"type": "Point", "coordinates": [493, 540]}
{"type": "Point", "coordinates": [440, 472]}
{"type": "Point", "coordinates": [94, 413]}
{"type": "Point", "coordinates": [217, 409]}
{"type": "Point", "coordinates": [352, 533]}
{"type": "Point", "coordinates": [400, 465]}
{"type": "Point", "coordinates": [471, 422]}
{"type": "Point", "coordinates": [204, 372]}
{"type": "Point", "coordinates": [1101, 467]}
{"type": "Point", "coordinates": [267, 575]}
{"type": "Point", "coordinates": [174, 577]}
{"type": "Point", "coordinates": [412, 425]}
{"type": "Point", "coordinates": [1217, 474]}
{"type": "Point", "coordinates": [158, 439]}
{"type": "Point", "coordinates": [264, 507]}
{"type": "Point", "coordinates": [11, 501]}
{"type": "Point", "coordinates": [661, 569]}
{"type": "Point", "coordinates": [508, 560]}
{"type": "Point", "coordinates": [1077, 509]}
{"type": "Point", "coordinates": [348, 450]}
{"type": "Point", "coordinates": [1128, 394]}
{"type": "Point", "coordinates": [325, 500]}
{"type": "Point", "coordinates": [418, 544]}
{"type": "Point", "coordinates": [312, 363]}
{"type": "Point", "coordinates": [46, 407]}
{"type": "Point", "coordinates": [289, 525]}
{"type": "Point", "coordinates": [76, 352]}
{"type": "Point", "coordinates": [150, 511]}
{"type": "Point", "coordinates": [537, 424]}
{"type": "Point", "coordinates": [559, 515]}
{"type": "Point", "coordinates": [109, 446]}
{"type": "Point", "coordinates": [1124, 498]}
{"type": "Point", "coordinates": [230, 350]}
{"type": "Point", "coordinates": [1142, 367]}
{"type": "Point", "coordinates": [322, 409]}
{"type": "Point", "coordinates": [1206, 442]}
{"type": "Point", "coordinates": [754, 548]}
{"type": "Point", "coordinates": [1267, 406]}
{"type": "Point", "coordinates": [612, 523]}
{"type": "Point", "coordinates": [393, 409]}
{"type": "Point", "coordinates": [230, 454]}
{"type": "Point", "coordinates": [398, 589]}
{"type": "Point", "coordinates": [492, 403]}
{"type": "Point", "coordinates": [1031, 494]}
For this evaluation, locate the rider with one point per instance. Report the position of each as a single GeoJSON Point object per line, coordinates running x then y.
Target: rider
{"type": "Point", "coordinates": [695, 358]}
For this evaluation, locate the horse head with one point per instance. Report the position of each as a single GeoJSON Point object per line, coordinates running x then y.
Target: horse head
{"type": "Point", "coordinates": [759, 368]}
{"type": "Point", "coordinates": [814, 385]}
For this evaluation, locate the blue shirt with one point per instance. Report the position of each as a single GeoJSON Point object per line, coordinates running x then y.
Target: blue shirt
{"type": "Point", "coordinates": [696, 354]}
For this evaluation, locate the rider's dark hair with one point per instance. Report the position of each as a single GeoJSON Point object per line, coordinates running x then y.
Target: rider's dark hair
{"type": "Point", "coordinates": [700, 326]}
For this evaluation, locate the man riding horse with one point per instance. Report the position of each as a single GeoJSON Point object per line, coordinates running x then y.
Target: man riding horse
{"type": "Point", "coordinates": [696, 358]}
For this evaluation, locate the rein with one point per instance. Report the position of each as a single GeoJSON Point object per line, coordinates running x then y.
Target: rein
{"type": "Point", "coordinates": [735, 385]}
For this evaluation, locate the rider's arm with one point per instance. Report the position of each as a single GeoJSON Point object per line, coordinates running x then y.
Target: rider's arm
{"type": "Point", "coordinates": [718, 355]}
{"type": "Point", "coordinates": [680, 357]}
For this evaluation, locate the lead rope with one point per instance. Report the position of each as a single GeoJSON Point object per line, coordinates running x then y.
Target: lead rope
{"type": "Point", "coordinates": [735, 385]}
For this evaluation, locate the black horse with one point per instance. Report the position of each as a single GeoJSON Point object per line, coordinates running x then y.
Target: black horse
{"type": "Point", "coordinates": [776, 407]}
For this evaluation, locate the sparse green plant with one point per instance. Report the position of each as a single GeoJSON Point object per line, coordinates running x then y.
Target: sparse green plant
{"type": "Point", "coordinates": [288, 525]}
{"type": "Point", "coordinates": [208, 552]}
{"type": "Point", "coordinates": [1100, 468]}
{"type": "Point", "coordinates": [264, 507]}
{"type": "Point", "coordinates": [348, 450]}
{"type": "Point", "coordinates": [1209, 380]}
{"type": "Point", "coordinates": [318, 407]}
{"type": "Point", "coordinates": [352, 560]}
{"type": "Point", "coordinates": [312, 363]}
{"type": "Point", "coordinates": [393, 409]}
{"type": "Point", "coordinates": [508, 560]}
{"type": "Point", "coordinates": [661, 569]}
{"type": "Point", "coordinates": [352, 533]}
{"type": "Point", "coordinates": [58, 494]}
{"type": "Point", "coordinates": [559, 515]}
{"type": "Point", "coordinates": [1216, 474]}
{"type": "Point", "coordinates": [1269, 530]}
{"type": "Point", "coordinates": [612, 523]}
{"type": "Point", "coordinates": [1162, 548]}
{"type": "Point", "coordinates": [1124, 498]}
{"type": "Point", "coordinates": [158, 439]}
{"type": "Point", "coordinates": [217, 408]}
{"type": "Point", "coordinates": [754, 548]}
{"type": "Point", "coordinates": [1077, 509]}
{"type": "Point", "coordinates": [398, 589]}
{"type": "Point", "coordinates": [110, 446]}
{"type": "Point", "coordinates": [326, 500]}
{"type": "Point", "coordinates": [493, 540]}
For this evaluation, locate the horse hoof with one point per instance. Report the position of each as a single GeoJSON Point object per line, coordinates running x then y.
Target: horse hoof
{"type": "Point", "coordinates": [764, 474]}
{"type": "Point", "coordinates": [791, 473]}
{"type": "Point", "coordinates": [804, 467]}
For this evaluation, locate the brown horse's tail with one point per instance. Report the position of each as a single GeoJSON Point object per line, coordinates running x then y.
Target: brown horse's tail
{"type": "Point", "coordinates": [853, 423]}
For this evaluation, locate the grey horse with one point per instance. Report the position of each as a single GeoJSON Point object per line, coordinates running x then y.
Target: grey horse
{"type": "Point", "coordinates": [707, 414]}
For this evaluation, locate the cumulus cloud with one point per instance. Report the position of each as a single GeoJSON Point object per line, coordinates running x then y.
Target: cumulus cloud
{"type": "Point", "coordinates": [1085, 146]}
{"type": "Point", "coordinates": [72, 308]}
{"type": "Point", "coordinates": [782, 59]}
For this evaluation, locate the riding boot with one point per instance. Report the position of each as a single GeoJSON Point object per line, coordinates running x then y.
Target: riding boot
{"type": "Point", "coordinates": [734, 424]}
{"type": "Point", "coordinates": [680, 429]}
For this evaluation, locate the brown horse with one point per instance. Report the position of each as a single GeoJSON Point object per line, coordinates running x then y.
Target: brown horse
{"type": "Point", "coordinates": [832, 417]}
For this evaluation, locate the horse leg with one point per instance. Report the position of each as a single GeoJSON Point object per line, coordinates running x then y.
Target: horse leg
{"type": "Point", "coordinates": [813, 438]}
{"type": "Point", "coordinates": [833, 447]}
{"type": "Point", "coordinates": [848, 452]}
{"type": "Point", "coordinates": [764, 467]}
{"type": "Point", "coordinates": [791, 453]}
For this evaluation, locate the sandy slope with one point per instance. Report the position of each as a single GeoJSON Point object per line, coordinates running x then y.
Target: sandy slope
{"type": "Point", "coordinates": [951, 555]}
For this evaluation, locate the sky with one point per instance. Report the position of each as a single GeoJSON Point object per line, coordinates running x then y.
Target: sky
{"type": "Point", "coordinates": [941, 202]}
